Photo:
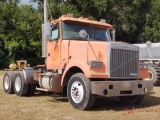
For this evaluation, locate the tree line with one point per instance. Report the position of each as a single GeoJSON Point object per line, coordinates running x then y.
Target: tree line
{"type": "Point", "coordinates": [135, 21]}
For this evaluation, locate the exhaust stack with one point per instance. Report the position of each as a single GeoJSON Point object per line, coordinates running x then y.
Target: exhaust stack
{"type": "Point", "coordinates": [46, 30]}
{"type": "Point", "coordinates": [45, 7]}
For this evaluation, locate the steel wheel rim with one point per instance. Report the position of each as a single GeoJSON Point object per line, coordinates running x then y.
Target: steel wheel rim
{"type": "Point", "coordinates": [77, 92]}
{"type": "Point", "coordinates": [18, 84]}
{"type": "Point", "coordinates": [6, 82]}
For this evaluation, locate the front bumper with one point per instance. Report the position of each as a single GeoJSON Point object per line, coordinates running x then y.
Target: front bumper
{"type": "Point", "coordinates": [121, 88]}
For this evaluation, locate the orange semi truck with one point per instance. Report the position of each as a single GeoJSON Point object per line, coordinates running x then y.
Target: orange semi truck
{"type": "Point", "coordinates": [83, 61]}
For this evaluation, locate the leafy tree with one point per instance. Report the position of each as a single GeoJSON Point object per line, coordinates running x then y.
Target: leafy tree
{"type": "Point", "coordinates": [151, 28]}
{"type": "Point", "coordinates": [3, 53]}
{"type": "Point", "coordinates": [127, 16]}
{"type": "Point", "coordinates": [21, 28]}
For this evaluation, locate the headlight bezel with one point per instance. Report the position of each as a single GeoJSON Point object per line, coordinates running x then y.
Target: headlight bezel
{"type": "Point", "coordinates": [95, 63]}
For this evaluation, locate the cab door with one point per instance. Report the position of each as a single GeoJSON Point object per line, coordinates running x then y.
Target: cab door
{"type": "Point", "coordinates": [53, 48]}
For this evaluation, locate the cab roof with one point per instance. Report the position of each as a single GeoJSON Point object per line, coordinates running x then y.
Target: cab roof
{"type": "Point", "coordinates": [81, 19]}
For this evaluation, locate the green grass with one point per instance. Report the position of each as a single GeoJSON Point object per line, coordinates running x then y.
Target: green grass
{"type": "Point", "coordinates": [55, 107]}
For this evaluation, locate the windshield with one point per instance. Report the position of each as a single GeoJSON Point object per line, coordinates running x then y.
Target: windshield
{"type": "Point", "coordinates": [96, 33]}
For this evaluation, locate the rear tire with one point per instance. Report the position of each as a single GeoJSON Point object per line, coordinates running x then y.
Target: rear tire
{"type": "Point", "coordinates": [79, 92]}
{"type": "Point", "coordinates": [20, 87]}
{"type": "Point", "coordinates": [135, 99]}
{"type": "Point", "coordinates": [8, 81]}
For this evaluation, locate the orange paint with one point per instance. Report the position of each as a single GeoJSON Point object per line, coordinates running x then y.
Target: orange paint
{"type": "Point", "coordinates": [54, 53]}
{"type": "Point", "coordinates": [143, 73]}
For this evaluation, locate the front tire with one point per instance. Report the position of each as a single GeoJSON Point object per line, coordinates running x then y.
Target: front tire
{"type": "Point", "coordinates": [20, 87]}
{"type": "Point", "coordinates": [79, 92]}
{"type": "Point", "coordinates": [8, 81]}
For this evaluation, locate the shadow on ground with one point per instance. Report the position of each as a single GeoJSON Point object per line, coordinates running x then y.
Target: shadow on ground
{"type": "Point", "coordinates": [113, 103]}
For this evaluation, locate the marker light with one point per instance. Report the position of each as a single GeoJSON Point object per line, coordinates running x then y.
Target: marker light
{"type": "Point", "coordinates": [81, 17]}
{"type": "Point", "coordinates": [69, 15]}
{"type": "Point", "coordinates": [103, 20]}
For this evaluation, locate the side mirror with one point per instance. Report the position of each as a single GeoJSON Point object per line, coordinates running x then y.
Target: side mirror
{"type": "Point", "coordinates": [47, 29]}
{"type": "Point", "coordinates": [83, 34]}
{"type": "Point", "coordinates": [110, 34]}
{"type": "Point", "coordinates": [113, 34]}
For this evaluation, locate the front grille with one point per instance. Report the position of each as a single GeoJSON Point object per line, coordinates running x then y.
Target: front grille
{"type": "Point", "coordinates": [124, 63]}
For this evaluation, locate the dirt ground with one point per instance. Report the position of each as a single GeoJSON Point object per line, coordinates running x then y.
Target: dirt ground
{"type": "Point", "coordinates": [55, 107]}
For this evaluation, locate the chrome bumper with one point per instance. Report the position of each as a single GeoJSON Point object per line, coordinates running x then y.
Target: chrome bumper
{"type": "Point", "coordinates": [121, 88]}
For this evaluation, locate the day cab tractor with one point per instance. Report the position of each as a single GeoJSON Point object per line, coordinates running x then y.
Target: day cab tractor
{"type": "Point", "coordinates": [83, 61]}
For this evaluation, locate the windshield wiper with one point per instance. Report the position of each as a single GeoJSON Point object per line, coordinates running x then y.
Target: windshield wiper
{"type": "Point", "coordinates": [76, 38]}
{"type": "Point", "coordinates": [100, 39]}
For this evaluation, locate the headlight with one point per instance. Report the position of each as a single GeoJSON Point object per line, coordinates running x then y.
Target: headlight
{"type": "Point", "coordinates": [96, 63]}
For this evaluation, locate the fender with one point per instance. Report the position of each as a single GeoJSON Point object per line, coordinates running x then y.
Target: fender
{"type": "Point", "coordinates": [28, 73]}
{"type": "Point", "coordinates": [88, 72]}
{"type": "Point", "coordinates": [83, 66]}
